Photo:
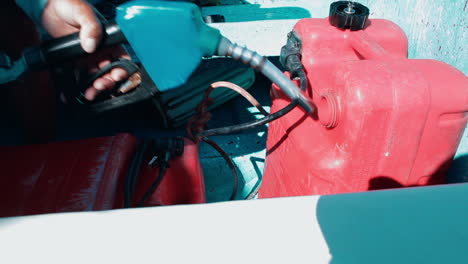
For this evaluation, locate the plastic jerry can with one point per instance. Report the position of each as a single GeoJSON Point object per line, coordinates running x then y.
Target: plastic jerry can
{"type": "Point", "coordinates": [382, 120]}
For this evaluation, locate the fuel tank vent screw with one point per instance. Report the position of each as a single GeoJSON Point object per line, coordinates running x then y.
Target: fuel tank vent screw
{"type": "Point", "coordinates": [350, 9]}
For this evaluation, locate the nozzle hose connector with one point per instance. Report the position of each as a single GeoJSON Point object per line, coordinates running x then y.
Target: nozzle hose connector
{"type": "Point", "coordinates": [263, 65]}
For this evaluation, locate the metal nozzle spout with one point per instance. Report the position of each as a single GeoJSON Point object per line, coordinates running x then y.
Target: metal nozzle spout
{"type": "Point", "coordinates": [262, 64]}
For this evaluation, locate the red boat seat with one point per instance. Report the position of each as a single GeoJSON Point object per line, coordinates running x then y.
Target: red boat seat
{"type": "Point", "coordinates": [80, 175]}
{"type": "Point", "coordinates": [90, 175]}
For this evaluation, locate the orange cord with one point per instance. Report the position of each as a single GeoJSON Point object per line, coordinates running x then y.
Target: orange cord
{"type": "Point", "coordinates": [198, 122]}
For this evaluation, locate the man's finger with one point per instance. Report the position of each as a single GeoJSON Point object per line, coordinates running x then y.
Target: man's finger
{"type": "Point", "coordinates": [90, 29]}
{"type": "Point", "coordinates": [104, 83]}
{"type": "Point", "coordinates": [104, 62]}
{"type": "Point", "coordinates": [118, 74]}
{"type": "Point", "coordinates": [91, 93]}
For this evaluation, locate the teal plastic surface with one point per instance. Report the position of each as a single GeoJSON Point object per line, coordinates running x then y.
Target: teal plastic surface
{"type": "Point", "coordinates": [169, 38]}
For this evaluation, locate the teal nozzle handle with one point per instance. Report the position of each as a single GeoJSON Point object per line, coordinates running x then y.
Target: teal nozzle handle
{"type": "Point", "coordinates": [169, 38]}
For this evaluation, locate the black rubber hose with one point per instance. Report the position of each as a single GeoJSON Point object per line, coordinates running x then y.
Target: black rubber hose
{"type": "Point", "coordinates": [248, 125]}
{"type": "Point", "coordinates": [162, 171]}
{"type": "Point", "coordinates": [238, 128]}
{"type": "Point", "coordinates": [133, 171]}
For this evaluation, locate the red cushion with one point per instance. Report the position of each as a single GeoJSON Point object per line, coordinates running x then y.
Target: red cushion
{"type": "Point", "coordinates": [69, 176]}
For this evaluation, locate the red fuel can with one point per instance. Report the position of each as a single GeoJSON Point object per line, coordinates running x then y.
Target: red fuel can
{"type": "Point", "coordinates": [383, 120]}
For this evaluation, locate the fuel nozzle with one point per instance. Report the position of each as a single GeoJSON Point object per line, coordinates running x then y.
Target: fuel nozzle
{"type": "Point", "coordinates": [263, 65]}
{"type": "Point", "coordinates": [169, 38]}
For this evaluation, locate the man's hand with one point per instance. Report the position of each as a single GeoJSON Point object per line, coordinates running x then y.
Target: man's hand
{"type": "Point", "coordinates": [63, 17]}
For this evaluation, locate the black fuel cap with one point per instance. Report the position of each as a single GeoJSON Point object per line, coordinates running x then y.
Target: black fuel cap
{"type": "Point", "coordinates": [348, 15]}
